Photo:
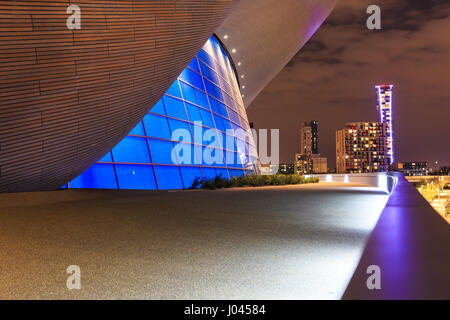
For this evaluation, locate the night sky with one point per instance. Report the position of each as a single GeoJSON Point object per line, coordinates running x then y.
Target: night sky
{"type": "Point", "coordinates": [333, 76]}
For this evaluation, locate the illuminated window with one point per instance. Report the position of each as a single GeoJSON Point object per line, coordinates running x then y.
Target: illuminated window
{"type": "Point", "coordinates": [206, 91]}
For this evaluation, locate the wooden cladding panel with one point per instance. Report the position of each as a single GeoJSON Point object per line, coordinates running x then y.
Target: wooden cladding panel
{"type": "Point", "coordinates": [68, 96]}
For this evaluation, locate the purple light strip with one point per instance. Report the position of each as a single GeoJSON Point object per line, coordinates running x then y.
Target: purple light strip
{"type": "Point", "coordinates": [391, 122]}
{"type": "Point", "coordinates": [379, 103]}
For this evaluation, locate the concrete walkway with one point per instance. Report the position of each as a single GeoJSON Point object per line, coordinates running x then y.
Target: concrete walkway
{"type": "Point", "coordinates": [411, 247]}
{"type": "Point", "coordinates": [292, 242]}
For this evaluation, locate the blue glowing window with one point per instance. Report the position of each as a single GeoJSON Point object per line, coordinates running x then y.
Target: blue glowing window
{"type": "Point", "coordinates": [162, 151]}
{"type": "Point", "coordinates": [234, 116]}
{"type": "Point", "coordinates": [185, 76]}
{"type": "Point", "coordinates": [223, 173]}
{"type": "Point", "coordinates": [235, 127]}
{"type": "Point", "coordinates": [202, 55]}
{"type": "Point", "coordinates": [223, 110]}
{"type": "Point", "coordinates": [174, 90]}
{"type": "Point", "coordinates": [226, 124]}
{"type": "Point", "coordinates": [213, 156]}
{"type": "Point", "coordinates": [229, 102]}
{"type": "Point", "coordinates": [242, 121]}
{"type": "Point", "coordinates": [138, 130]}
{"type": "Point", "coordinates": [206, 91]}
{"type": "Point", "coordinates": [208, 172]}
{"type": "Point", "coordinates": [214, 105]}
{"type": "Point", "coordinates": [159, 108]}
{"type": "Point", "coordinates": [184, 153]}
{"type": "Point", "coordinates": [193, 112]}
{"type": "Point", "coordinates": [168, 177]}
{"type": "Point", "coordinates": [230, 158]}
{"type": "Point", "coordinates": [235, 172]}
{"type": "Point", "coordinates": [218, 107]}
{"type": "Point", "coordinates": [226, 87]}
{"type": "Point", "coordinates": [194, 64]}
{"type": "Point", "coordinates": [202, 99]}
{"type": "Point", "coordinates": [232, 145]}
{"type": "Point", "coordinates": [207, 118]}
{"type": "Point", "coordinates": [135, 176]}
{"type": "Point", "coordinates": [131, 150]}
{"type": "Point", "coordinates": [197, 133]}
{"type": "Point", "coordinates": [219, 123]}
{"type": "Point", "coordinates": [188, 92]}
{"type": "Point", "coordinates": [157, 126]}
{"type": "Point", "coordinates": [196, 80]}
{"type": "Point", "coordinates": [180, 130]}
{"type": "Point", "coordinates": [209, 74]}
{"type": "Point", "coordinates": [213, 90]}
{"type": "Point", "coordinates": [228, 142]}
{"type": "Point", "coordinates": [100, 176]}
{"type": "Point", "coordinates": [217, 48]}
{"type": "Point", "coordinates": [214, 138]}
{"type": "Point", "coordinates": [174, 108]}
{"type": "Point", "coordinates": [189, 174]}
{"type": "Point", "coordinates": [106, 158]}
{"type": "Point", "coordinates": [197, 156]}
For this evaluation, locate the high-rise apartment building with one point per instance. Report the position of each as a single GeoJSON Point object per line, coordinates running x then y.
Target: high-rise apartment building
{"type": "Point", "coordinates": [309, 138]}
{"type": "Point", "coordinates": [302, 164]}
{"type": "Point", "coordinates": [362, 147]}
{"type": "Point", "coordinates": [309, 160]}
{"type": "Point", "coordinates": [384, 107]}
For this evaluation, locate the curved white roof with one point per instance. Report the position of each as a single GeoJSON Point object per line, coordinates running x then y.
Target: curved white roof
{"type": "Point", "coordinates": [262, 36]}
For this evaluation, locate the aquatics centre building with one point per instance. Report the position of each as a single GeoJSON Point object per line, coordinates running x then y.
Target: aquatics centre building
{"type": "Point", "coordinates": [142, 94]}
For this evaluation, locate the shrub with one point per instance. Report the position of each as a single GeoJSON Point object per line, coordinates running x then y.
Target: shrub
{"type": "Point", "coordinates": [279, 179]}
{"type": "Point", "coordinates": [196, 183]}
{"type": "Point", "coordinates": [238, 181]}
{"type": "Point", "coordinates": [252, 180]}
{"type": "Point", "coordinates": [312, 180]}
{"type": "Point", "coordinates": [221, 182]}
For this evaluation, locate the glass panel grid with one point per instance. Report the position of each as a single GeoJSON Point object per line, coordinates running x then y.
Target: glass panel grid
{"type": "Point", "coordinates": [205, 96]}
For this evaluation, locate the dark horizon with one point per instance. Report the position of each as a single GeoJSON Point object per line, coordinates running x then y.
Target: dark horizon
{"type": "Point", "coordinates": [332, 80]}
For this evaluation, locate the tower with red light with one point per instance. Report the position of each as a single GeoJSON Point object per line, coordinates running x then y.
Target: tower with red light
{"type": "Point", "coordinates": [385, 115]}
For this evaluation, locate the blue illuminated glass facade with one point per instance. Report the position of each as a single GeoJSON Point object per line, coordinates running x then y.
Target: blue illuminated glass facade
{"type": "Point", "coordinates": [191, 132]}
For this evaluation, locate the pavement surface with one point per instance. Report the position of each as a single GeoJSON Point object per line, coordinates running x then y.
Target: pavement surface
{"type": "Point", "coordinates": [410, 248]}
{"type": "Point", "coordinates": [290, 242]}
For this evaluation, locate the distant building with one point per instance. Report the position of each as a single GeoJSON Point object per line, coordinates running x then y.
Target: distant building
{"type": "Point", "coordinates": [309, 164]}
{"type": "Point", "coordinates": [302, 164]}
{"type": "Point", "coordinates": [416, 168]}
{"type": "Point", "coordinates": [268, 169]}
{"type": "Point", "coordinates": [362, 147]}
{"type": "Point", "coordinates": [319, 164]}
{"type": "Point", "coordinates": [309, 138]}
{"type": "Point", "coordinates": [286, 168]}
{"type": "Point", "coordinates": [385, 115]}
{"type": "Point", "coordinates": [444, 171]}
{"type": "Point", "coordinates": [309, 161]}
